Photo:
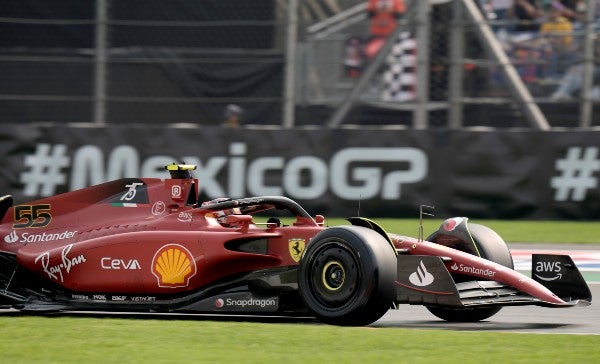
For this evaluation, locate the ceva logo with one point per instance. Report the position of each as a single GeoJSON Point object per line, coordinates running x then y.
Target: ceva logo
{"type": "Point", "coordinates": [421, 277]}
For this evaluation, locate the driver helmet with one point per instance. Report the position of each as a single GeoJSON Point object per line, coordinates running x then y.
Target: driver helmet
{"type": "Point", "coordinates": [221, 215]}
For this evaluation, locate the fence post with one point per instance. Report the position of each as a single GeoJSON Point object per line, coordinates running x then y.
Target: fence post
{"type": "Point", "coordinates": [585, 111]}
{"type": "Point", "coordinates": [289, 101]}
{"type": "Point", "coordinates": [423, 44]}
{"type": "Point", "coordinates": [457, 54]}
{"type": "Point", "coordinates": [100, 62]}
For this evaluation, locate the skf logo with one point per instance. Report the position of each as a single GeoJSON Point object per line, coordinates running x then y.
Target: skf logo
{"type": "Point", "coordinates": [173, 266]}
{"type": "Point", "coordinates": [296, 247]}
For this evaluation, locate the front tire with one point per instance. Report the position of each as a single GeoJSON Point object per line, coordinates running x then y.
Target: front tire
{"type": "Point", "coordinates": [346, 276]}
{"type": "Point", "coordinates": [463, 314]}
{"type": "Point", "coordinates": [491, 247]}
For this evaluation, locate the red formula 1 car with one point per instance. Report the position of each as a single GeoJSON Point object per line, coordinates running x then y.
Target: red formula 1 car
{"type": "Point", "coordinates": [148, 245]}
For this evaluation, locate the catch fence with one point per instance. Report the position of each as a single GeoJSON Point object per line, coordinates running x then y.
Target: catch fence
{"type": "Point", "coordinates": [292, 63]}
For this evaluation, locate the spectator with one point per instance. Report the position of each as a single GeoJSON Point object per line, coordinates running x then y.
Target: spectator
{"type": "Point", "coordinates": [233, 114]}
{"type": "Point", "coordinates": [558, 28]}
{"type": "Point", "coordinates": [568, 8]}
{"type": "Point", "coordinates": [557, 40]}
{"type": "Point", "coordinates": [572, 80]}
{"type": "Point", "coordinates": [496, 9]}
{"type": "Point", "coordinates": [384, 15]}
{"type": "Point", "coordinates": [557, 36]}
{"type": "Point", "coordinates": [354, 60]}
{"type": "Point", "coordinates": [527, 13]}
{"type": "Point", "coordinates": [580, 9]}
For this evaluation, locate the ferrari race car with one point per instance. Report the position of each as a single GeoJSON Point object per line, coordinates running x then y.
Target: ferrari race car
{"type": "Point", "coordinates": [149, 245]}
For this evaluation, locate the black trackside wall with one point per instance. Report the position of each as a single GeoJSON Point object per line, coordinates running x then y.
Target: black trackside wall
{"type": "Point", "coordinates": [389, 173]}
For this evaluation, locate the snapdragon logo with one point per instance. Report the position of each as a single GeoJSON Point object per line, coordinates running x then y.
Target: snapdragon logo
{"type": "Point", "coordinates": [351, 173]}
{"type": "Point", "coordinates": [245, 302]}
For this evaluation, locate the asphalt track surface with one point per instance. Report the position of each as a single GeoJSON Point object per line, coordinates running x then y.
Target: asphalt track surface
{"type": "Point", "coordinates": [523, 319]}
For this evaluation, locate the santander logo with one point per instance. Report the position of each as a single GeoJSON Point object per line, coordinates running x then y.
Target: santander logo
{"type": "Point", "coordinates": [12, 237]}
{"type": "Point", "coordinates": [421, 277]}
{"type": "Point", "coordinates": [486, 272]}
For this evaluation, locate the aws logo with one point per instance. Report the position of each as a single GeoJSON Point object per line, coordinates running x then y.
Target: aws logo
{"type": "Point", "coordinates": [173, 266]}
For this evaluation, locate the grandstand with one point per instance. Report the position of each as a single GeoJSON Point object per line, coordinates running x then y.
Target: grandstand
{"type": "Point", "coordinates": [282, 61]}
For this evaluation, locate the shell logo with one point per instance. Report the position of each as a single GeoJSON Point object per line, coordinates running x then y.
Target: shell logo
{"type": "Point", "coordinates": [173, 266]}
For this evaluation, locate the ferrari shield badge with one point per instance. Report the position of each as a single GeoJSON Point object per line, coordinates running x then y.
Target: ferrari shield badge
{"type": "Point", "coordinates": [296, 248]}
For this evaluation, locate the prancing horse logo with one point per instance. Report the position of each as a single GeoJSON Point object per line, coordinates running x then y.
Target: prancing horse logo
{"type": "Point", "coordinates": [296, 248]}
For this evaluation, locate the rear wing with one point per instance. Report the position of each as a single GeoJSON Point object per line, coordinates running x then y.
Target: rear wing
{"type": "Point", "coordinates": [560, 275]}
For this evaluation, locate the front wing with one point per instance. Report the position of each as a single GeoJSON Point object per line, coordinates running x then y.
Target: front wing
{"type": "Point", "coordinates": [425, 280]}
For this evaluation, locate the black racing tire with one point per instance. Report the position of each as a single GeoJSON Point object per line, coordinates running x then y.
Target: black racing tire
{"type": "Point", "coordinates": [491, 247]}
{"type": "Point", "coordinates": [464, 314]}
{"type": "Point", "coordinates": [346, 276]}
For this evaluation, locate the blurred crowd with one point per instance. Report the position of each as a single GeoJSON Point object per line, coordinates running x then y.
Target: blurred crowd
{"type": "Point", "coordinates": [542, 37]}
{"type": "Point", "coordinates": [536, 15]}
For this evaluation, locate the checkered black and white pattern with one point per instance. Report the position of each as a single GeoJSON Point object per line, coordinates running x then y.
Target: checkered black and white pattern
{"type": "Point", "coordinates": [400, 78]}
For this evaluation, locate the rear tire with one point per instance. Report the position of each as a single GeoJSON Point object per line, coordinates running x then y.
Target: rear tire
{"type": "Point", "coordinates": [346, 276]}
{"type": "Point", "coordinates": [491, 247]}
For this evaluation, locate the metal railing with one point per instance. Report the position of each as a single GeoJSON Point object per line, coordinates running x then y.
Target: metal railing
{"type": "Point", "coordinates": [492, 83]}
{"type": "Point", "coordinates": [469, 71]}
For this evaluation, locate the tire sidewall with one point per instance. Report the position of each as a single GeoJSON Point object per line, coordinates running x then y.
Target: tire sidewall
{"type": "Point", "coordinates": [492, 247]}
{"type": "Point", "coordinates": [373, 275]}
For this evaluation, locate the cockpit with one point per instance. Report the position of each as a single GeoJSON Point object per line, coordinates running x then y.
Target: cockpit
{"type": "Point", "coordinates": [271, 211]}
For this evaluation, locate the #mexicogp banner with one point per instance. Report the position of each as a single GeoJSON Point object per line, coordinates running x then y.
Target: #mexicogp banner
{"type": "Point", "coordinates": [334, 172]}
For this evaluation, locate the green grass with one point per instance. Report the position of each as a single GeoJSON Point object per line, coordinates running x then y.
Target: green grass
{"type": "Point", "coordinates": [512, 231]}
{"type": "Point", "coordinates": [111, 340]}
